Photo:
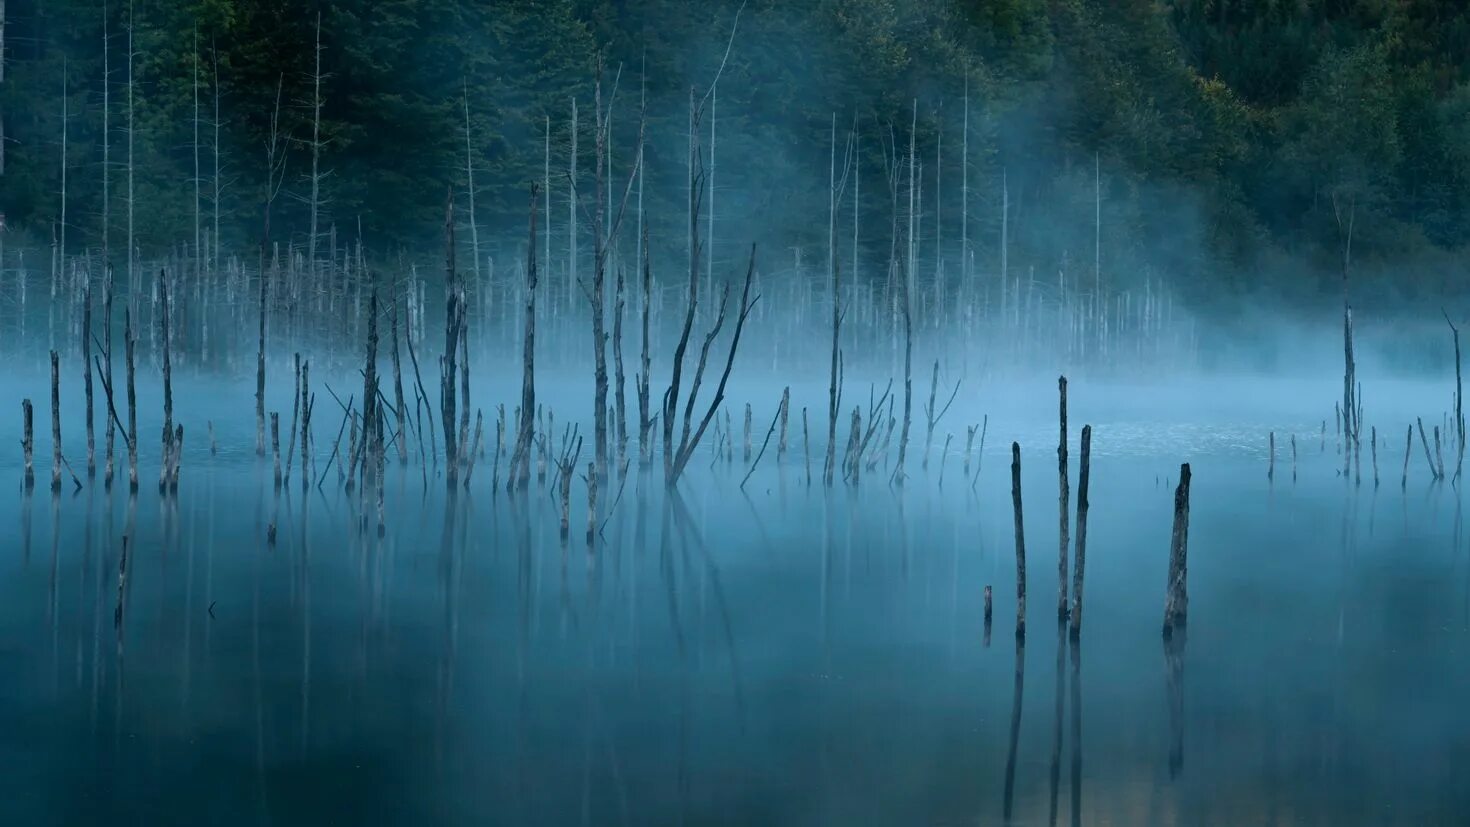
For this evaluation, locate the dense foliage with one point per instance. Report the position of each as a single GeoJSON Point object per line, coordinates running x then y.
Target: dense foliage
{"type": "Point", "coordinates": [1233, 141]}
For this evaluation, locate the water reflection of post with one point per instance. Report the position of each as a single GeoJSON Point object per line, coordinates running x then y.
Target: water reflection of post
{"type": "Point", "coordinates": [1174, 680]}
{"type": "Point", "coordinates": [1056, 729]}
{"type": "Point", "coordinates": [1016, 693]}
{"type": "Point", "coordinates": [1077, 732]}
{"type": "Point", "coordinates": [25, 526]}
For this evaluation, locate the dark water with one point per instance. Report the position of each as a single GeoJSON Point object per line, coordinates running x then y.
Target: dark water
{"type": "Point", "coordinates": [782, 655]}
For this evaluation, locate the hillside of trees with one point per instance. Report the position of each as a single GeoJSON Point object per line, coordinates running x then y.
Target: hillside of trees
{"type": "Point", "coordinates": [1228, 145]}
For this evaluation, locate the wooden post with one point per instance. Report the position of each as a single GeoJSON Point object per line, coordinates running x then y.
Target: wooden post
{"type": "Point", "coordinates": [276, 444]}
{"type": "Point", "coordinates": [1082, 481]}
{"type": "Point", "coordinates": [1293, 457]}
{"type": "Point", "coordinates": [1020, 541]}
{"type": "Point", "coordinates": [1062, 506]}
{"type": "Point", "coordinates": [27, 443]}
{"type": "Point", "coordinates": [1176, 602]}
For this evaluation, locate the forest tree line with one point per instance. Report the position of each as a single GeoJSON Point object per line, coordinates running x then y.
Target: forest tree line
{"type": "Point", "coordinates": [1228, 144]}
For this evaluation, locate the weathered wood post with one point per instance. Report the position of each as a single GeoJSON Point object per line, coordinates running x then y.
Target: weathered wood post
{"type": "Point", "coordinates": [1176, 602]}
{"type": "Point", "coordinates": [1082, 504]}
{"type": "Point", "coordinates": [1020, 541]}
{"type": "Point", "coordinates": [276, 444]}
{"type": "Point", "coordinates": [27, 443]}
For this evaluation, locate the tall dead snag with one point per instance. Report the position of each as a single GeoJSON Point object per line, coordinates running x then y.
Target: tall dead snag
{"type": "Point", "coordinates": [87, 377]}
{"type": "Point", "coordinates": [110, 429]}
{"type": "Point", "coordinates": [645, 418]}
{"type": "Point", "coordinates": [28, 443]}
{"type": "Point", "coordinates": [908, 382]}
{"type": "Point", "coordinates": [1082, 480]}
{"type": "Point", "coordinates": [1020, 541]}
{"type": "Point", "coordinates": [620, 398]}
{"type": "Point", "coordinates": [55, 423]}
{"type": "Point", "coordinates": [1459, 406]}
{"type": "Point", "coordinates": [453, 317]}
{"type": "Point", "coordinates": [520, 458]}
{"type": "Point", "coordinates": [604, 230]}
{"type": "Point", "coordinates": [1176, 600]}
{"type": "Point", "coordinates": [370, 407]}
{"type": "Point", "coordinates": [130, 343]}
{"type": "Point", "coordinates": [1062, 495]}
{"type": "Point", "coordinates": [931, 415]}
{"type": "Point", "coordinates": [834, 389]}
{"type": "Point", "coordinates": [399, 412]}
{"type": "Point", "coordinates": [785, 417]}
{"type": "Point", "coordinates": [679, 458]}
{"type": "Point", "coordinates": [168, 382]}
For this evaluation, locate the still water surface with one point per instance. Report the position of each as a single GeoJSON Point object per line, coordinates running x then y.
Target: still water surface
{"type": "Point", "coordinates": [778, 655]}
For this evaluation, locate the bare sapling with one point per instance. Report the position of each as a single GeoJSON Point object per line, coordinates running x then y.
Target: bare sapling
{"type": "Point", "coordinates": [1271, 456]}
{"type": "Point", "coordinates": [1176, 601]}
{"type": "Point", "coordinates": [931, 415]}
{"type": "Point", "coordinates": [1459, 403]}
{"type": "Point", "coordinates": [784, 413]}
{"type": "Point", "coordinates": [781, 416]}
{"type": "Point", "coordinates": [1428, 457]}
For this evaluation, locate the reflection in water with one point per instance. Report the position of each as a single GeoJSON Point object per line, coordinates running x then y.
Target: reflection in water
{"type": "Point", "coordinates": [1076, 732]}
{"type": "Point", "coordinates": [1174, 681]}
{"type": "Point", "coordinates": [1056, 729]}
{"type": "Point", "coordinates": [1016, 693]}
{"type": "Point", "coordinates": [693, 677]}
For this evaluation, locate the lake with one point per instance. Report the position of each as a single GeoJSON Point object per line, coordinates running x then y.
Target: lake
{"type": "Point", "coordinates": [777, 654]}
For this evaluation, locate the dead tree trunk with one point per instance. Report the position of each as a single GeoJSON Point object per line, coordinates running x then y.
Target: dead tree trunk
{"type": "Point", "coordinates": [55, 422]}
{"type": "Point", "coordinates": [129, 346]}
{"type": "Point", "coordinates": [1062, 495]}
{"type": "Point", "coordinates": [451, 349]}
{"type": "Point", "coordinates": [1082, 480]}
{"type": "Point", "coordinates": [1176, 601]}
{"type": "Point", "coordinates": [400, 413]}
{"type": "Point", "coordinates": [1459, 405]}
{"type": "Point", "coordinates": [87, 377]}
{"type": "Point", "coordinates": [645, 419]}
{"type": "Point", "coordinates": [110, 429]}
{"type": "Point", "coordinates": [520, 458]}
{"type": "Point", "coordinates": [168, 380]}
{"type": "Point", "coordinates": [1020, 540]}
{"type": "Point", "coordinates": [27, 443]}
